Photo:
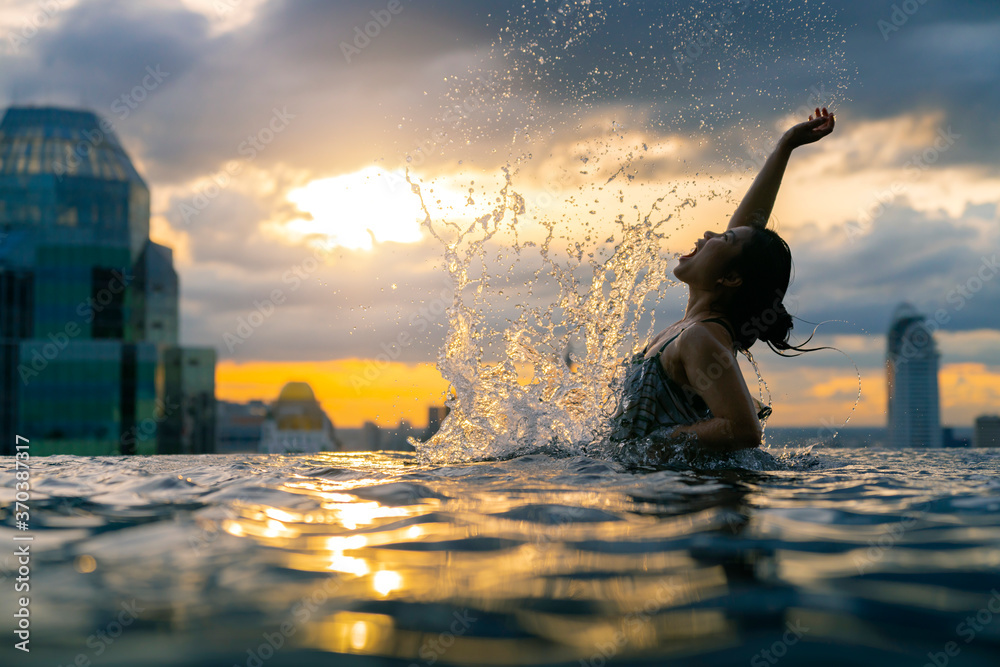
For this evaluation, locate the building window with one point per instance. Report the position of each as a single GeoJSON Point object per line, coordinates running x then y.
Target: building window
{"type": "Point", "coordinates": [108, 301]}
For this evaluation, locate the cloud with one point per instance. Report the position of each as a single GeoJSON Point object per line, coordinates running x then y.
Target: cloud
{"type": "Point", "coordinates": [927, 259]}
{"type": "Point", "coordinates": [98, 50]}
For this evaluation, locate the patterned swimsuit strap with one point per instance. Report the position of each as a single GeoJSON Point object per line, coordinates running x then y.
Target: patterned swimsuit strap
{"type": "Point", "coordinates": [716, 320]}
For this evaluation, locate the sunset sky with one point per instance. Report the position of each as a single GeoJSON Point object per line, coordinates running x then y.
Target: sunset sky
{"type": "Point", "coordinates": [275, 134]}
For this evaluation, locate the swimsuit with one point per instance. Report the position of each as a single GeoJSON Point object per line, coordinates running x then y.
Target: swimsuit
{"type": "Point", "coordinates": [652, 400]}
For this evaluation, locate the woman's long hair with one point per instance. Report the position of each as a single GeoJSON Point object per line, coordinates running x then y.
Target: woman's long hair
{"type": "Point", "coordinates": [757, 310]}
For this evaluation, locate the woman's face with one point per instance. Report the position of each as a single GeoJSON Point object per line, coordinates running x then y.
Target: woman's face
{"type": "Point", "coordinates": [714, 253]}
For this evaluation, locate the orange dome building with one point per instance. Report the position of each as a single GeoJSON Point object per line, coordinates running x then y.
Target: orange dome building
{"type": "Point", "coordinates": [296, 423]}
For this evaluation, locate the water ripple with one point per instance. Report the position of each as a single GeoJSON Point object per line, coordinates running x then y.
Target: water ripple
{"type": "Point", "coordinates": [534, 559]}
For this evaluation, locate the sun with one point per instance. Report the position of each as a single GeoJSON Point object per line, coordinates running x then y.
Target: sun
{"type": "Point", "coordinates": [358, 209]}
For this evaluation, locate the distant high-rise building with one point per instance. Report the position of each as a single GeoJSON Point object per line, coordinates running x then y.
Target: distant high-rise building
{"type": "Point", "coordinates": [188, 411]}
{"type": "Point", "coordinates": [371, 437]}
{"type": "Point", "coordinates": [949, 439]}
{"type": "Point", "coordinates": [157, 295]}
{"type": "Point", "coordinates": [238, 426]}
{"type": "Point", "coordinates": [435, 416]}
{"type": "Point", "coordinates": [987, 431]}
{"type": "Point", "coordinates": [88, 305]}
{"type": "Point", "coordinates": [297, 423]}
{"type": "Point", "coordinates": [398, 439]}
{"type": "Point", "coordinates": [912, 375]}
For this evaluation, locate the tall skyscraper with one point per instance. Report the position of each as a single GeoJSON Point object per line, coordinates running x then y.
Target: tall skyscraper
{"type": "Point", "coordinates": [912, 374]}
{"type": "Point", "coordinates": [88, 304]}
{"type": "Point", "coordinates": [189, 420]}
{"type": "Point", "coordinates": [435, 416]}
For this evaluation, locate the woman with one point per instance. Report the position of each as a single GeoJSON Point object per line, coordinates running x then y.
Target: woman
{"type": "Point", "coordinates": [686, 385]}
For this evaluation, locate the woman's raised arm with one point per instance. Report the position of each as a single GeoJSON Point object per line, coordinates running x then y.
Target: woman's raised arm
{"type": "Point", "coordinates": [755, 209]}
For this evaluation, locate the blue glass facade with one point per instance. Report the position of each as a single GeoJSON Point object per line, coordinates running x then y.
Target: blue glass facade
{"type": "Point", "coordinates": [912, 358]}
{"type": "Point", "coordinates": [88, 305]}
{"type": "Point", "coordinates": [90, 398]}
{"type": "Point", "coordinates": [189, 418]}
{"type": "Point", "coordinates": [154, 309]}
{"type": "Point", "coordinates": [65, 177]}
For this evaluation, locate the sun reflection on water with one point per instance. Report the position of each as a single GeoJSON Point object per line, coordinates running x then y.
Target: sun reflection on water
{"type": "Point", "coordinates": [539, 560]}
{"type": "Point", "coordinates": [352, 515]}
{"type": "Point", "coordinates": [386, 582]}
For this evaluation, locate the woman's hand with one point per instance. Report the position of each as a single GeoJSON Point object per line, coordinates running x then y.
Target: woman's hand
{"type": "Point", "coordinates": [818, 126]}
{"type": "Point", "coordinates": [755, 209]}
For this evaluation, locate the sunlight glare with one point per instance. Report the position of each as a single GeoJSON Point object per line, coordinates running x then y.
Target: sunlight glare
{"type": "Point", "coordinates": [387, 581]}
{"type": "Point", "coordinates": [359, 635]}
{"type": "Point", "coordinates": [355, 210]}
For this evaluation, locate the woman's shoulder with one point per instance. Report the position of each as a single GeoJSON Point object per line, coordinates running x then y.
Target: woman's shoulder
{"type": "Point", "coordinates": [659, 341]}
{"type": "Point", "coordinates": [706, 336]}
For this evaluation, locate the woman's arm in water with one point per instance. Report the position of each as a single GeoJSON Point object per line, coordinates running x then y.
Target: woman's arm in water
{"type": "Point", "coordinates": [755, 209]}
{"type": "Point", "coordinates": [714, 374]}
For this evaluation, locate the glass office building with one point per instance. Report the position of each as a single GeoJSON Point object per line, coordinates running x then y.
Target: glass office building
{"type": "Point", "coordinates": [188, 421]}
{"type": "Point", "coordinates": [88, 305]}
{"type": "Point", "coordinates": [65, 179]}
{"type": "Point", "coordinates": [912, 375]}
{"type": "Point", "coordinates": [155, 318]}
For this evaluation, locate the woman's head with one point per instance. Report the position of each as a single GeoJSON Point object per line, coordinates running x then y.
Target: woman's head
{"type": "Point", "coordinates": [708, 265]}
{"type": "Point", "coordinates": [748, 270]}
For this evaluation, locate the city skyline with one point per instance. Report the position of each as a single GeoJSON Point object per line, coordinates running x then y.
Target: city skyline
{"type": "Point", "coordinates": [299, 246]}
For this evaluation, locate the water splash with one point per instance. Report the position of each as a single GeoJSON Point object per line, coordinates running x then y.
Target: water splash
{"type": "Point", "coordinates": [547, 303]}
{"type": "Point", "coordinates": [539, 394]}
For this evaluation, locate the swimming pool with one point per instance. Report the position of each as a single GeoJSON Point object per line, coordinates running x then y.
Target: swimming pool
{"type": "Point", "coordinates": [835, 556]}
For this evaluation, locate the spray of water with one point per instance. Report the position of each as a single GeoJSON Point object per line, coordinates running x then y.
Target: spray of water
{"type": "Point", "coordinates": [559, 365]}
{"type": "Point", "coordinates": [548, 302]}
